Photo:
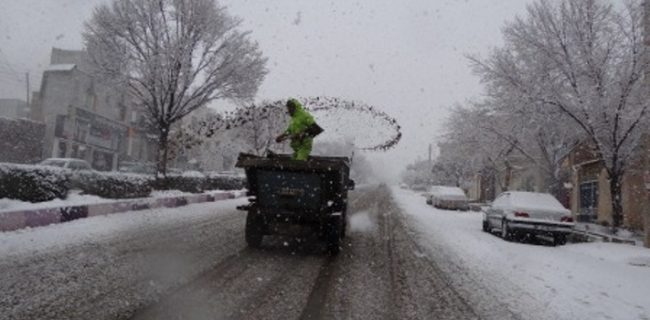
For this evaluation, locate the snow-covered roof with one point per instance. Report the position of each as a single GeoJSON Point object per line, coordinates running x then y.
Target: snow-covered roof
{"type": "Point", "coordinates": [61, 67]}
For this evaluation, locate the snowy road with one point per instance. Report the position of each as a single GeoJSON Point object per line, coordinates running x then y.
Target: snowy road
{"type": "Point", "coordinates": [402, 260]}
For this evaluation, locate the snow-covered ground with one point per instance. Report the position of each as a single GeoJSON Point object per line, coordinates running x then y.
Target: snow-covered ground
{"type": "Point", "coordinates": [575, 281]}
{"type": "Point", "coordinates": [77, 199]}
{"type": "Point", "coordinates": [105, 267]}
{"type": "Point", "coordinates": [97, 229]}
{"type": "Point", "coordinates": [73, 199]}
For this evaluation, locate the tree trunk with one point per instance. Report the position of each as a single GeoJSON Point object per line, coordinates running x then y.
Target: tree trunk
{"type": "Point", "coordinates": [508, 176]}
{"type": "Point", "coordinates": [616, 190]}
{"type": "Point", "coordinates": [163, 152]}
{"type": "Point", "coordinates": [646, 226]}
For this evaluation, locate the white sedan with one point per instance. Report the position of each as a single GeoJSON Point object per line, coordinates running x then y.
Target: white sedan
{"type": "Point", "coordinates": [515, 213]}
{"type": "Point", "coordinates": [449, 198]}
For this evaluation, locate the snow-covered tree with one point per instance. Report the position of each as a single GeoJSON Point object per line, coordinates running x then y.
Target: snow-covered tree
{"type": "Point", "coordinates": [174, 56]}
{"type": "Point", "coordinates": [417, 175]}
{"type": "Point", "coordinates": [452, 168]}
{"type": "Point", "coordinates": [584, 59]}
{"type": "Point", "coordinates": [543, 137]}
{"type": "Point", "coordinates": [470, 147]}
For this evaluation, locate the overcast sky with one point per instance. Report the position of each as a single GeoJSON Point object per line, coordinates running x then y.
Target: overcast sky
{"type": "Point", "coordinates": [404, 57]}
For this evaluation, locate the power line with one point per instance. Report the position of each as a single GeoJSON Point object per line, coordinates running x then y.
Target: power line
{"type": "Point", "coordinates": [7, 69]}
{"type": "Point", "coordinates": [9, 73]}
{"type": "Point", "coordinates": [8, 80]}
{"type": "Point", "coordinates": [7, 64]}
{"type": "Point", "coordinates": [11, 76]}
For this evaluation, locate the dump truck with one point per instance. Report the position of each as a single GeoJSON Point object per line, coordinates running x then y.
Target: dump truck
{"type": "Point", "coordinates": [285, 193]}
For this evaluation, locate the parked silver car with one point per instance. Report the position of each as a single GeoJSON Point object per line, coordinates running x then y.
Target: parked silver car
{"type": "Point", "coordinates": [515, 213]}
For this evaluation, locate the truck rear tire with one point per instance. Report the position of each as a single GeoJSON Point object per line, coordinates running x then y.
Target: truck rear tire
{"type": "Point", "coordinates": [333, 234]}
{"type": "Point", "coordinates": [254, 230]}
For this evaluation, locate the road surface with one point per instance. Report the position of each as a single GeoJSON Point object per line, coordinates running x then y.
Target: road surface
{"type": "Point", "coordinates": [199, 267]}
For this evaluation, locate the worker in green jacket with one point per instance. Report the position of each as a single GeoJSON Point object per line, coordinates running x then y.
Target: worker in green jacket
{"type": "Point", "coordinates": [302, 130]}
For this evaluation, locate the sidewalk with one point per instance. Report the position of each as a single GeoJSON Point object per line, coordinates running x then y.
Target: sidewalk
{"type": "Point", "coordinates": [39, 216]}
{"type": "Point", "coordinates": [596, 232]}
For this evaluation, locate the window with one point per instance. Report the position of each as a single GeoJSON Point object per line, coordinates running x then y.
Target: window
{"type": "Point", "coordinates": [588, 201]}
{"type": "Point", "coordinates": [62, 148]}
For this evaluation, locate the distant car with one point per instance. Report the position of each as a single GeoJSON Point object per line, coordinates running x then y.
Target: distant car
{"type": "Point", "coordinates": [68, 163]}
{"type": "Point", "coordinates": [450, 198]}
{"type": "Point", "coordinates": [137, 167]}
{"type": "Point", "coordinates": [516, 213]}
{"type": "Point", "coordinates": [193, 174]}
{"type": "Point", "coordinates": [174, 171]}
{"type": "Point", "coordinates": [419, 187]}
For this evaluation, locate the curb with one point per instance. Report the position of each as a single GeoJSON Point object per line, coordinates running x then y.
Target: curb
{"type": "Point", "coordinates": [15, 220]}
{"type": "Point", "coordinates": [589, 236]}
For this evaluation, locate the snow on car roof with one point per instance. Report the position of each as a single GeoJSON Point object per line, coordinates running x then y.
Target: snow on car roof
{"type": "Point", "coordinates": [448, 192]}
{"type": "Point", "coordinates": [62, 159]}
{"type": "Point", "coordinates": [534, 200]}
{"type": "Point", "coordinates": [61, 67]}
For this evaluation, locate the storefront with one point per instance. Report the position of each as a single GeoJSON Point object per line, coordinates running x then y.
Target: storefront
{"type": "Point", "coordinates": [86, 135]}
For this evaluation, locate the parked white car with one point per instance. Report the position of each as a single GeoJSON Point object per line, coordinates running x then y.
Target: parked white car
{"type": "Point", "coordinates": [515, 213]}
{"type": "Point", "coordinates": [450, 198]}
{"type": "Point", "coordinates": [68, 163]}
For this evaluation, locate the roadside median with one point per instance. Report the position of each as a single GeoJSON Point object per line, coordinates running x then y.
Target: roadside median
{"type": "Point", "coordinates": [11, 220]}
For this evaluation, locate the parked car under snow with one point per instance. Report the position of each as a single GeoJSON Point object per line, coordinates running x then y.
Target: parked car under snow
{"type": "Point", "coordinates": [515, 213]}
{"type": "Point", "coordinates": [68, 163]}
{"type": "Point", "coordinates": [450, 198]}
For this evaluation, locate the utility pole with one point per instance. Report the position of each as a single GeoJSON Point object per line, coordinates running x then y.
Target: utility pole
{"type": "Point", "coordinates": [430, 167]}
{"type": "Point", "coordinates": [27, 87]}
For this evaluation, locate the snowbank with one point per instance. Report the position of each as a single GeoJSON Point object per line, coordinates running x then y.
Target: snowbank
{"type": "Point", "coordinates": [94, 229]}
{"type": "Point", "coordinates": [73, 199]}
{"type": "Point", "coordinates": [76, 199]}
{"type": "Point", "coordinates": [79, 207]}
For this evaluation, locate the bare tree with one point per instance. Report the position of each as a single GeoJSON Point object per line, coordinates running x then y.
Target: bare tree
{"type": "Point", "coordinates": [257, 126]}
{"type": "Point", "coordinates": [174, 56]}
{"type": "Point", "coordinates": [586, 60]}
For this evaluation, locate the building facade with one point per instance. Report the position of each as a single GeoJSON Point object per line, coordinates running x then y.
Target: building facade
{"type": "Point", "coordinates": [590, 193]}
{"type": "Point", "coordinates": [85, 117]}
{"type": "Point", "coordinates": [14, 109]}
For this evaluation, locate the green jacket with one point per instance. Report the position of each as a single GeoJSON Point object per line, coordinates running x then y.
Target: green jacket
{"type": "Point", "coordinates": [300, 121]}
